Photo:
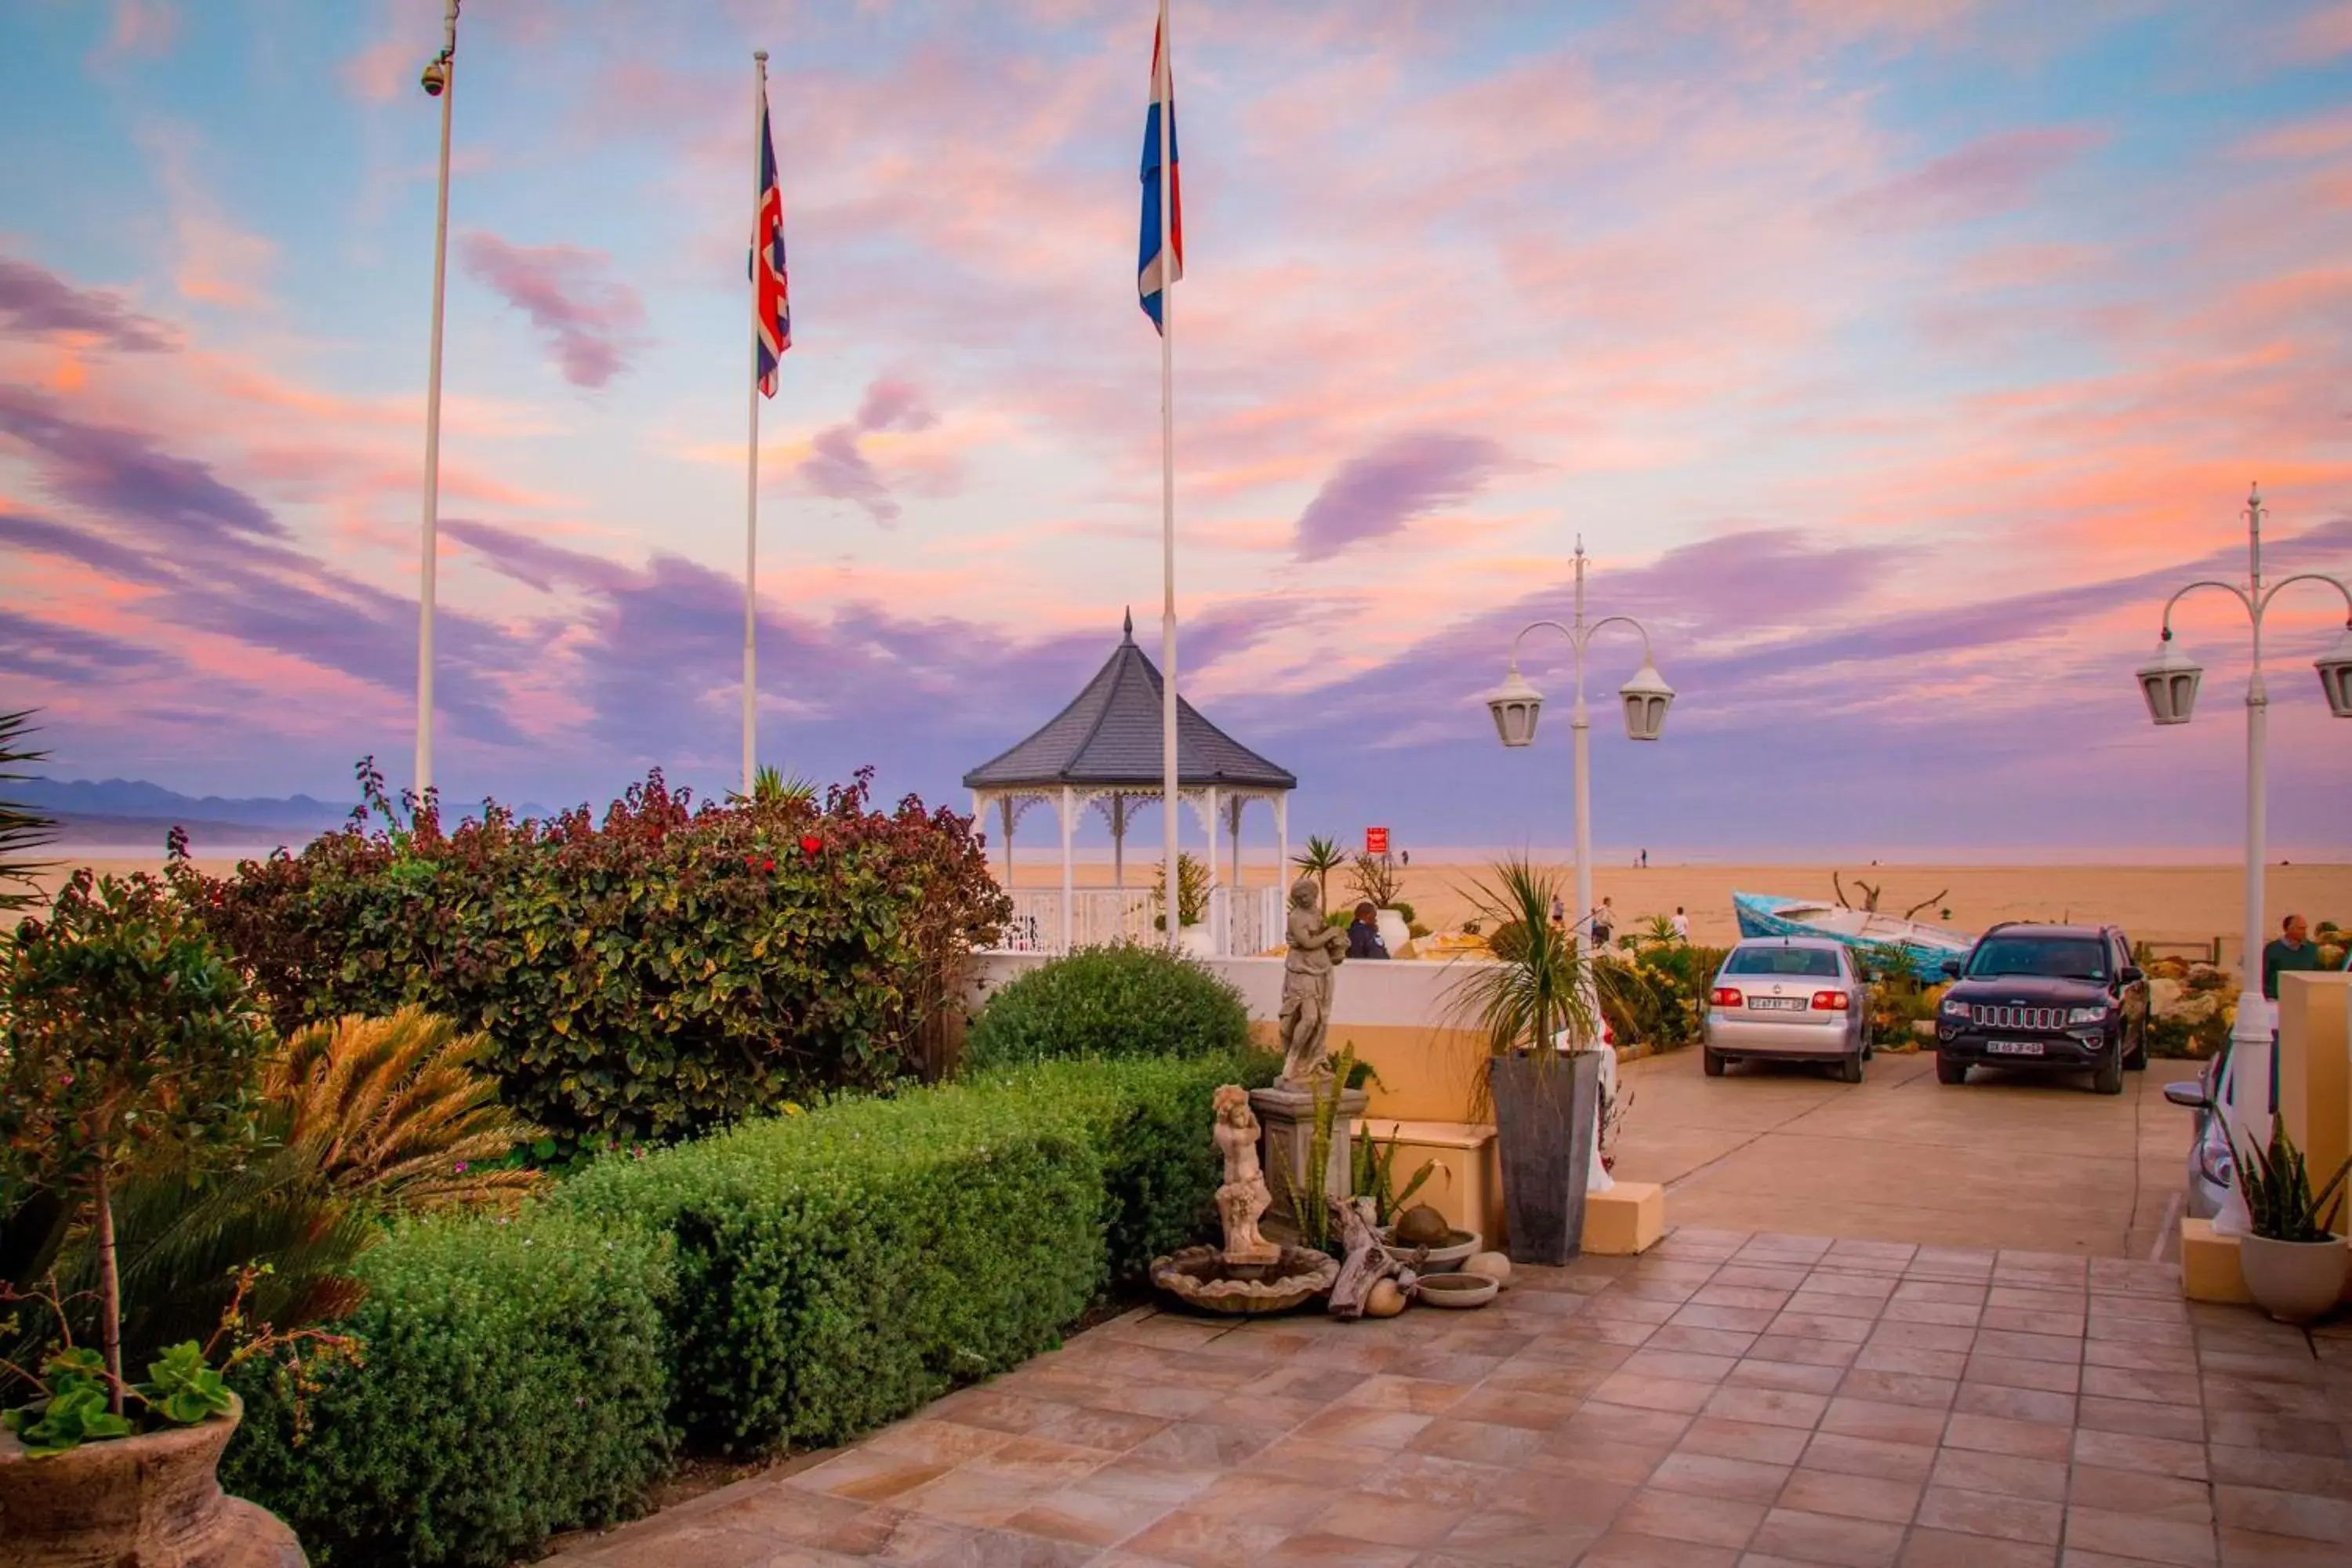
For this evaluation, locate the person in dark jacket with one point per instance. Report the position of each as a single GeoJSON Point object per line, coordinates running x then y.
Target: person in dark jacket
{"type": "Point", "coordinates": [1364, 934]}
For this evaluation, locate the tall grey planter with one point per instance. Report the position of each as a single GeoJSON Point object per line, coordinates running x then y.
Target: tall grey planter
{"type": "Point", "coordinates": [1544, 1106]}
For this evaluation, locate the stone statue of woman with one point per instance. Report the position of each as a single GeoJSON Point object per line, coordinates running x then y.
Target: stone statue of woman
{"type": "Point", "coordinates": [1317, 948]}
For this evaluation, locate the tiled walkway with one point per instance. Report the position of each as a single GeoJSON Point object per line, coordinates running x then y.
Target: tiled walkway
{"type": "Point", "coordinates": [1726, 1399]}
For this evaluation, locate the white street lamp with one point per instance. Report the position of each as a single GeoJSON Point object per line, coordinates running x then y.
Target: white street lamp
{"type": "Point", "coordinates": [1514, 705]}
{"type": "Point", "coordinates": [438, 80]}
{"type": "Point", "coordinates": [2169, 683]}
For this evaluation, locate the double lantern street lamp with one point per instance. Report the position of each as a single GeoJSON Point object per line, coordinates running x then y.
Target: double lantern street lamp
{"type": "Point", "coordinates": [1514, 705]}
{"type": "Point", "coordinates": [2169, 682]}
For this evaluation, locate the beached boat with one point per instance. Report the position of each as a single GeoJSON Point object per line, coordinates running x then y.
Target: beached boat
{"type": "Point", "coordinates": [1926, 946]}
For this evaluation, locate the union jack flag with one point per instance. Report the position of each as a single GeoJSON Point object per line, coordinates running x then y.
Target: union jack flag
{"type": "Point", "coordinates": [772, 302]}
{"type": "Point", "coordinates": [1158, 266]}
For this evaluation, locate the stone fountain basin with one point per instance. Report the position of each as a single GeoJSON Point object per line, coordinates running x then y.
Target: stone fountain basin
{"type": "Point", "coordinates": [1456, 1290]}
{"type": "Point", "coordinates": [1199, 1276]}
{"type": "Point", "coordinates": [1459, 1245]}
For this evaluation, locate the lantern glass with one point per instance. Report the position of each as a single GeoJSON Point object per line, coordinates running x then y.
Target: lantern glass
{"type": "Point", "coordinates": [1514, 705]}
{"type": "Point", "coordinates": [1645, 697]}
{"type": "Point", "coordinates": [2169, 684]}
{"type": "Point", "coordinates": [2335, 669]}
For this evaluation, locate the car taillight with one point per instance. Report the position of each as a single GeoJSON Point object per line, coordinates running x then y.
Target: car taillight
{"type": "Point", "coordinates": [1725, 996]}
{"type": "Point", "coordinates": [1834, 1001]}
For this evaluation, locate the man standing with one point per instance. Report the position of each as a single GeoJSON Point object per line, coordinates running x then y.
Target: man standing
{"type": "Point", "coordinates": [2292, 950]}
{"type": "Point", "coordinates": [1682, 924]}
{"type": "Point", "coordinates": [1604, 925]}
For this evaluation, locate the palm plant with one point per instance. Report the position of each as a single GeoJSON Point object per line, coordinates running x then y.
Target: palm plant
{"type": "Point", "coordinates": [1319, 859]}
{"type": "Point", "coordinates": [22, 829]}
{"type": "Point", "coordinates": [396, 1110]}
{"type": "Point", "coordinates": [1540, 983]}
{"type": "Point", "coordinates": [771, 786]}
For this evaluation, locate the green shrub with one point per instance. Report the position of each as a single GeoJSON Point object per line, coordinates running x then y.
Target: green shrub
{"type": "Point", "coordinates": [513, 1384]}
{"type": "Point", "coordinates": [1123, 1000]}
{"type": "Point", "coordinates": [840, 1268]}
{"type": "Point", "coordinates": [669, 969]}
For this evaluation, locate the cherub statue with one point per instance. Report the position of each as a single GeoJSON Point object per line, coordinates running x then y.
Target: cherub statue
{"type": "Point", "coordinates": [1243, 1197]}
{"type": "Point", "coordinates": [1316, 949]}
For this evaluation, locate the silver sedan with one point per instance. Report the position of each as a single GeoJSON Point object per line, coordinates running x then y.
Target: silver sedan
{"type": "Point", "coordinates": [1788, 998]}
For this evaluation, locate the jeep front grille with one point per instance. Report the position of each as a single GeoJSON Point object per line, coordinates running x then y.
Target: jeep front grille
{"type": "Point", "coordinates": [2021, 1017]}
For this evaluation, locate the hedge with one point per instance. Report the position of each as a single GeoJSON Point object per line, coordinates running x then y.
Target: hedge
{"type": "Point", "coordinates": [838, 1269]}
{"type": "Point", "coordinates": [1121, 1000]}
{"type": "Point", "coordinates": [515, 1383]}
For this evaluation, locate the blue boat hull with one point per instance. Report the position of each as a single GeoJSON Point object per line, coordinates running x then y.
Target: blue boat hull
{"type": "Point", "coordinates": [1922, 948]}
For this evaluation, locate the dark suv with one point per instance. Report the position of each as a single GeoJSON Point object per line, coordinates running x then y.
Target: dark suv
{"type": "Point", "coordinates": [2062, 997]}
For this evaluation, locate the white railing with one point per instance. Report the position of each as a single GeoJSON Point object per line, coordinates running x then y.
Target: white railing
{"type": "Point", "coordinates": [1240, 921]}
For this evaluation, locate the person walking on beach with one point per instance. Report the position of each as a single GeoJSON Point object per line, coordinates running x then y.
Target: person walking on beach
{"type": "Point", "coordinates": [1645, 859]}
{"type": "Point", "coordinates": [1682, 924]}
{"type": "Point", "coordinates": [1364, 933]}
{"type": "Point", "coordinates": [1558, 911]}
{"type": "Point", "coordinates": [1604, 925]}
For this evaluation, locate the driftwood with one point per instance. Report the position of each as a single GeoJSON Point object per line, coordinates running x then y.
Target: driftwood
{"type": "Point", "coordinates": [1935, 898]}
{"type": "Point", "coordinates": [1870, 894]}
{"type": "Point", "coordinates": [1368, 1261]}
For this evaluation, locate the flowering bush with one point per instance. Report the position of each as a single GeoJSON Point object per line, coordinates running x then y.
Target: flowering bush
{"type": "Point", "coordinates": [674, 967]}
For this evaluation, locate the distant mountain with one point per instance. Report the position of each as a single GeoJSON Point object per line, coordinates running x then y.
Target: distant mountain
{"type": "Point", "coordinates": [137, 800]}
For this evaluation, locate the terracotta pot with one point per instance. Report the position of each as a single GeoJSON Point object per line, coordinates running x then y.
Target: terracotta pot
{"type": "Point", "coordinates": [153, 1501]}
{"type": "Point", "coordinates": [2294, 1281]}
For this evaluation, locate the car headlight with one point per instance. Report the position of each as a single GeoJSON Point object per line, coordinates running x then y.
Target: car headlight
{"type": "Point", "coordinates": [2214, 1159]}
{"type": "Point", "coordinates": [2088, 1014]}
{"type": "Point", "coordinates": [1953, 1009]}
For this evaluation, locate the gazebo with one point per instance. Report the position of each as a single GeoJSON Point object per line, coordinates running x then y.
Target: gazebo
{"type": "Point", "coordinates": [1103, 753]}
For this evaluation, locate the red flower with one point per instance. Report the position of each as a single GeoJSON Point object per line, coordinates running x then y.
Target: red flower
{"type": "Point", "coordinates": [812, 845]}
{"type": "Point", "coordinates": [769, 865]}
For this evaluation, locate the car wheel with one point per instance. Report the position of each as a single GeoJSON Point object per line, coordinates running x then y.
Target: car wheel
{"type": "Point", "coordinates": [1850, 1070]}
{"type": "Point", "coordinates": [2107, 1077]}
{"type": "Point", "coordinates": [1711, 1062]}
{"type": "Point", "coordinates": [1949, 1071]}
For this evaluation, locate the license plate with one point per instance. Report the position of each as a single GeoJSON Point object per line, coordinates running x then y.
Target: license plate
{"type": "Point", "coordinates": [2013, 1047]}
{"type": "Point", "coordinates": [1792, 1002]}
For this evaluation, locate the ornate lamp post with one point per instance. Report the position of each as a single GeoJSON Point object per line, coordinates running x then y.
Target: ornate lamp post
{"type": "Point", "coordinates": [438, 80]}
{"type": "Point", "coordinates": [2169, 682]}
{"type": "Point", "coordinates": [1514, 705]}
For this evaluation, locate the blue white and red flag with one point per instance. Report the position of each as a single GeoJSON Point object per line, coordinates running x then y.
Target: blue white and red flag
{"type": "Point", "coordinates": [771, 303]}
{"type": "Point", "coordinates": [1158, 264]}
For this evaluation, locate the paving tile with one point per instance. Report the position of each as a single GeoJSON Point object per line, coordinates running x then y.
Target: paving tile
{"type": "Point", "coordinates": [2018, 1372]}
{"type": "Point", "coordinates": [2282, 1434]}
{"type": "Point", "coordinates": [1204, 1541]}
{"type": "Point", "coordinates": [2310, 1473]}
{"type": "Point", "coordinates": [1314, 1547]}
{"type": "Point", "coordinates": [2140, 1492]}
{"type": "Point", "coordinates": [1803, 1350]}
{"type": "Point", "coordinates": [1678, 1516]}
{"type": "Point", "coordinates": [1204, 1442]}
{"type": "Point", "coordinates": [1039, 1461]}
{"type": "Point", "coordinates": [2010, 1475]}
{"type": "Point", "coordinates": [1732, 1319]}
{"type": "Point", "coordinates": [929, 1442]}
{"type": "Point", "coordinates": [999, 1411]}
{"type": "Point", "coordinates": [1675, 1336]}
{"type": "Point", "coordinates": [1389, 1521]}
{"type": "Point", "coordinates": [1536, 1494]}
{"type": "Point", "coordinates": [1479, 1442]}
{"type": "Point", "coordinates": [1954, 1314]}
{"type": "Point", "coordinates": [1898, 1388]}
{"type": "Point", "coordinates": [2304, 1515]}
{"type": "Point", "coordinates": [1926, 1336]}
{"type": "Point", "coordinates": [1767, 1407]}
{"type": "Point", "coordinates": [1999, 1434]}
{"type": "Point", "coordinates": [1690, 1366]}
{"type": "Point", "coordinates": [1836, 1305]}
{"type": "Point", "coordinates": [1821, 1326]}
{"type": "Point", "coordinates": [1647, 1393]}
{"type": "Point", "coordinates": [1783, 1277]}
{"type": "Point", "coordinates": [1364, 1428]}
{"type": "Point", "coordinates": [2133, 1535]}
{"type": "Point", "coordinates": [1944, 1549]}
{"type": "Point", "coordinates": [969, 1496]}
{"type": "Point", "coordinates": [2016, 1403]}
{"type": "Point", "coordinates": [1624, 1424]}
{"type": "Point", "coordinates": [1308, 1458]}
{"type": "Point", "coordinates": [1890, 1423]}
{"type": "Point", "coordinates": [1508, 1406]}
{"type": "Point", "coordinates": [1875, 1357]}
{"type": "Point", "coordinates": [1709, 1475]}
{"type": "Point", "coordinates": [1593, 1457]}
{"type": "Point", "coordinates": [1992, 1514]}
{"type": "Point", "coordinates": [868, 1475]}
{"type": "Point", "coordinates": [1382, 1390]}
{"type": "Point", "coordinates": [2144, 1383]}
{"type": "Point", "coordinates": [1617, 1550]}
{"type": "Point", "coordinates": [2128, 1353]}
{"type": "Point", "coordinates": [1850, 1496]}
{"type": "Point", "coordinates": [2183, 1422]}
{"type": "Point", "coordinates": [1097, 1519]}
{"type": "Point", "coordinates": [2126, 1451]}
{"type": "Point", "coordinates": [1745, 1440]}
{"type": "Point", "coordinates": [1515, 1539]}
{"type": "Point", "coordinates": [1869, 1457]}
{"type": "Point", "coordinates": [1826, 1538]}
{"type": "Point", "coordinates": [1752, 1373]}
{"type": "Point", "coordinates": [1113, 1431]}
{"type": "Point", "coordinates": [2253, 1549]}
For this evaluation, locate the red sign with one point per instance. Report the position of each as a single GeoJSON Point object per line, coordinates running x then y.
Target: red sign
{"type": "Point", "coordinates": [1376, 840]}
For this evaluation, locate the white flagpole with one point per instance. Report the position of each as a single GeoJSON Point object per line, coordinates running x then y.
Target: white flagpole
{"type": "Point", "coordinates": [1169, 782]}
{"type": "Point", "coordinates": [751, 446]}
{"type": "Point", "coordinates": [429, 570]}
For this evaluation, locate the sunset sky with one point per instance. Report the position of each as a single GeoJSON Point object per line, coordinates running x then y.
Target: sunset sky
{"type": "Point", "coordinates": [1893, 358]}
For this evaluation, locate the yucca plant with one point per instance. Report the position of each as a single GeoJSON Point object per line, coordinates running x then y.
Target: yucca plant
{"type": "Point", "coordinates": [771, 786]}
{"type": "Point", "coordinates": [22, 829]}
{"type": "Point", "coordinates": [1375, 1173]}
{"type": "Point", "coordinates": [2277, 1187]}
{"type": "Point", "coordinates": [395, 1112]}
{"type": "Point", "coordinates": [1537, 984]}
{"type": "Point", "coordinates": [1309, 1199]}
{"type": "Point", "coordinates": [1319, 859]}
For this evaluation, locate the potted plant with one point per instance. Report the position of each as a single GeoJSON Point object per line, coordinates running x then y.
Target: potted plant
{"type": "Point", "coordinates": [130, 1049]}
{"type": "Point", "coordinates": [2293, 1260]}
{"type": "Point", "coordinates": [1191, 907]}
{"type": "Point", "coordinates": [1537, 991]}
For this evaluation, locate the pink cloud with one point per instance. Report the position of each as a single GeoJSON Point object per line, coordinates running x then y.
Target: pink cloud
{"type": "Point", "coordinates": [838, 466]}
{"type": "Point", "coordinates": [1997, 174]}
{"type": "Point", "coordinates": [138, 27]}
{"type": "Point", "coordinates": [591, 321]}
{"type": "Point", "coordinates": [1376, 493]}
{"type": "Point", "coordinates": [2325, 34]}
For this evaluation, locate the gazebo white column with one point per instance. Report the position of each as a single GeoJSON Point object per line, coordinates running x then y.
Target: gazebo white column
{"type": "Point", "coordinates": [1233, 825]}
{"type": "Point", "coordinates": [1215, 880]}
{"type": "Point", "coordinates": [1070, 890]}
{"type": "Point", "coordinates": [1282, 843]}
{"type": "Point", "coordinates": [1118, 840]}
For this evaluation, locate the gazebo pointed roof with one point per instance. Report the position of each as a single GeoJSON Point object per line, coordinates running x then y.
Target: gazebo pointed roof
{"type": "Point", "coordinates": [1109, 737]}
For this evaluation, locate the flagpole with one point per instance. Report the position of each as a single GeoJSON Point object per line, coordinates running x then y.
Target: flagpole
{"type": "Point", "coordinates": [1173, 881]}
{"type": "Point", "coordinates": [440, 81]}
{"type": "Point", "coordinates": [751, 448]}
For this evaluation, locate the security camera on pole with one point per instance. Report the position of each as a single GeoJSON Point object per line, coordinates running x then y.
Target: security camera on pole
{"type": "Point", "coordinates": [438, 80]}
{"type": "Point", "coordinates": [2169, 684]}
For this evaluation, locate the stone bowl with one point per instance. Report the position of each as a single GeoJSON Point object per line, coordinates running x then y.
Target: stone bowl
{"type": "Point", "coordinates": [1199, 1276]}
{"type": "Point", "coordinates": [1459, 1245]}
{"type": "Point", "coordinates": [1456, 1290]}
